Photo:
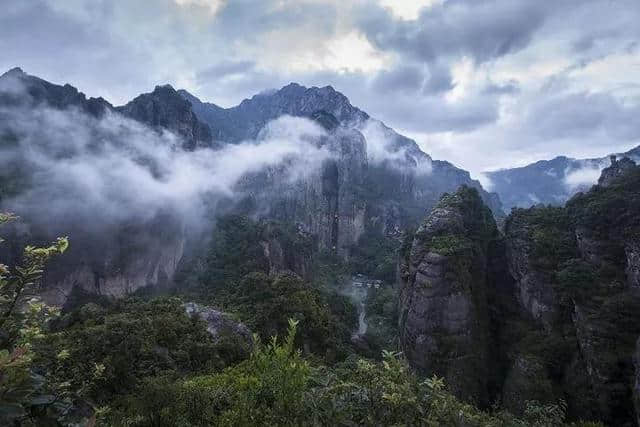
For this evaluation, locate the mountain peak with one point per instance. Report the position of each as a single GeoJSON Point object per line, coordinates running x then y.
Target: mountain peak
{"type": "Point", "coordinates": [615, 170]}
{"type": "Point", "coordinates": [14, 72]}
{"type": "Point", "coordinates": [164, 88]}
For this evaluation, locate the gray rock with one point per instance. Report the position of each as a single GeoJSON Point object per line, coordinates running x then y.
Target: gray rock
{"type": "Point", "coordinates": [218, 323]}
{"type": "Point", "coordinates": [444, 319]}
{"type": "Point", "coordinates": [636, 385]}
{"type": "Point", "coordinates": [615, 170]}
{"type": "Point", "coordinates": [533, 287]}
{"type": "Point", "coordinates": [632, 251]}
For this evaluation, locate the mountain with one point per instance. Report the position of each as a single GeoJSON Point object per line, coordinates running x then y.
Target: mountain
{"type": "Point", "coordinates": [550, 310]}
{"type": "Point", "coordinates": [549, 181]}
{"type": "Point", "coordinates": [163, 108]}
{"type": "Point", "coordinates": [399, 160]}
{"type": "Point", "coordinates": [19, 89]}
{"type": "Point", "coordinates": [245, 120]}
{"type": "Point", "coordinates": [361, 177]}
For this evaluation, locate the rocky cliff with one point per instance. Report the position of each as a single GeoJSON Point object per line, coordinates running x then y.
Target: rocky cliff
{"type": "Point", "coordinates": [565, 324]}
{"type": "Point", "coordinates": [444, 317]}
{"type": "Point", "coordinates": [373, 178]}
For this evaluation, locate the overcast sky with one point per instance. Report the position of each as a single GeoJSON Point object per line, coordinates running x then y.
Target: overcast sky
{"type": "Point", "coordinates": [484, 84]}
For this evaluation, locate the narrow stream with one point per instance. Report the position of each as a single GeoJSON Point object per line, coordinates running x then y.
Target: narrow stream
{"type": "Point", "coordinates": [358, 290]}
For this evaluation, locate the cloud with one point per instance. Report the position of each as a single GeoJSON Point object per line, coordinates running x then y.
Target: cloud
{"type": "Point", "coordinates": [382, 147]}
{"type": "Point", "coordinates": [112, 170]}
{"type": "Point", "coordinates": [586, 176]}
{"type": "Point", "coordinates": [472, 78]}
{"type": "Point", "coordinates": [483, 30]}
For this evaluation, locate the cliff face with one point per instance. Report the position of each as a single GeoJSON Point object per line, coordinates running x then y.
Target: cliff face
{"type": "Point", "coordinates": [565, 326]}
{"type": "Point", "coordinates": [444, 317]}
{"type": "Point", "coordinates": [400, 184]}
{"type": "Point", "coordinates": [636, 383]}
{"type": "Point", "coordinates": [353, 191]}
{"type": "Point", "coordinates": [327, 203]}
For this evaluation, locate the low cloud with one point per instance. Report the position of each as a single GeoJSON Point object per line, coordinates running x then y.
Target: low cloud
{"type": "Point", "coordinates": [576, 179]}
{"type": "Point", "coordinates": [383, 147]}
{"type": "Point", "coordinates": [83, 170]}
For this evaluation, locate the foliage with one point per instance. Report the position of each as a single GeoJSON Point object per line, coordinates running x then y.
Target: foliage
{"type": "Point", "coordinates": [266, 303]}
{"type": "Point", "coordinates": [375, 256]}
{"type": "Point", "coordinates": [618, 203]}
{"type": "Point", "coordinates": [235, 252]}
{"type": "Point", "coordinates": [550, 231]}
{"type": "Point", "coordinates": [277, 387]}
{"type": "Point", "coordinates": [23, 396]}
{"type": "Point", "coordinates": [109, 351]}
{"type": "Point", "coordinates": [267, 389]}
{"type": "Point", "coordinates": [382, 319]}
{"type": "Point", "coordinates": [449, 244]}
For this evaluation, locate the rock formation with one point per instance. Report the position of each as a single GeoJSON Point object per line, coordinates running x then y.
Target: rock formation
{"type": "Point", "coordinates": [444, 318]}
{"type": "Point", "coordinates": [219, 324]}
{"type": "Point", "coordinates": [566, 324]}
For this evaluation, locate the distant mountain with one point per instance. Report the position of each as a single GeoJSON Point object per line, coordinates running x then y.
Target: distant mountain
{"type": "Point", "coordinates": [549, 181]}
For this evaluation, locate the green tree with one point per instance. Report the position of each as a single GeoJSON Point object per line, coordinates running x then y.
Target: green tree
{"type": "Point", "coordinates": [22, 391]}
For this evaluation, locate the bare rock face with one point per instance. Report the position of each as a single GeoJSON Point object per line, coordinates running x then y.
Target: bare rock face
{"type": "Point", "coordinates": [219, 324]}
{"type": "Point", "coordinates": [636, 385]}
{"type": "Point", "coordinates": [534, 289]}
{"type": "Point", "coordinates": [615, 170]}
{"type": "Point", "coordinates": [325, 203]}
{"type": "Point", "coordinates": [444, 319]}
{"type": "Point", "coordinates": [111, 269]}
{"type": "Point", "coordinates": [632, 251]}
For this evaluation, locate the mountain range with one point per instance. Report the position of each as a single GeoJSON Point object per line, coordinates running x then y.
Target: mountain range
{"type": "Point", "coordinates": [295, 204]}
{"type": "Point", "coordinates": [550, 182]}
{"type": "Point", "coordinates": [373, 179]}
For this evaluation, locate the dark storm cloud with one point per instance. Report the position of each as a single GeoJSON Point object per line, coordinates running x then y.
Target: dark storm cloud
{"type": "Point", "coordinates": [528, 57]}
{"type": "Point", "coordinates": [481, 29]}
{"type": "Point", "coordinates": [408, 78]}
{"type": "Point", "coordinates": [414, 79]}
{"type": "Point", "coordinates": [578, 115]}
{"type": "Point", "coordinates": [440, 79]}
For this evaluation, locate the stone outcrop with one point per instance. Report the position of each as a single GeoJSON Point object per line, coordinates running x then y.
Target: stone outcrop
{"type": "Point", "coordinates": [533, 285]}
{"type": "Point", "coordinates": [566, 324]}
{"type": "Point", "coordinates": [220, 324]}
{"type": "Point", "coordinates": [636, 383]}
{"type": "Point", "coordinates": [444, 318]}
{"type": "Point", "coordinates": [615, 170]}
{"type": "Point", "coordinates": [110, 270]}
{"type": "Point", "coordinates": [324, 203]}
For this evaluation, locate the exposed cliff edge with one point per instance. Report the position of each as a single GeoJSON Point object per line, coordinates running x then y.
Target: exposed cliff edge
{"type": "Point", "coordinates": [565, 324]}
{"type": "Point", "coordinates": [444, 317]}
